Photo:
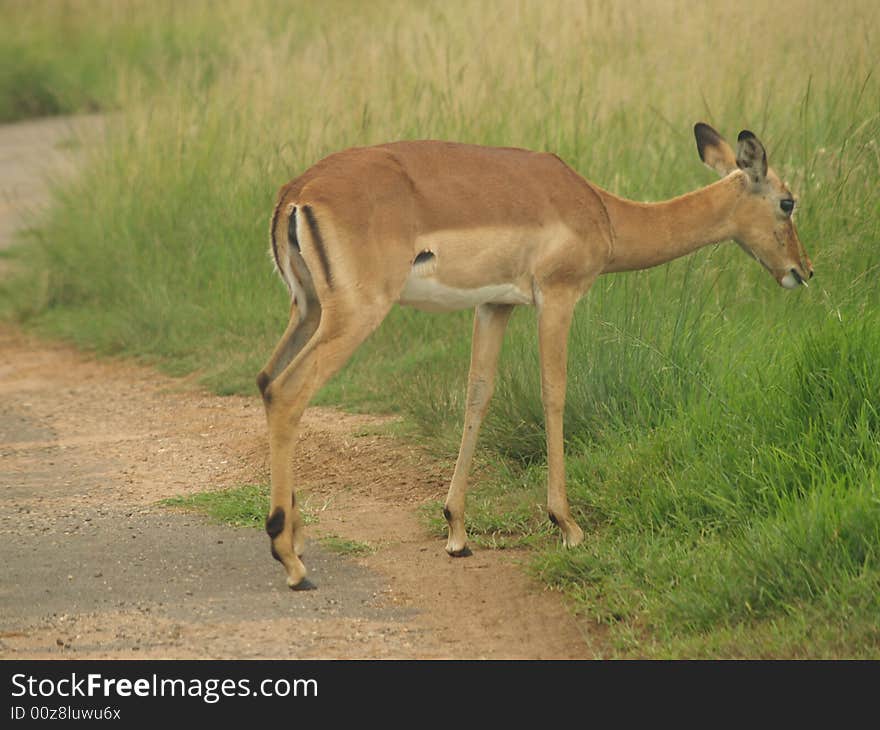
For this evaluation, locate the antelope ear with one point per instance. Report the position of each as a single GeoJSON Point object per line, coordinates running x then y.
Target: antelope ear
{"type": "Point", "coordinates": [751, 157]}
{"type": "Point", "coordinates": [714, 151]}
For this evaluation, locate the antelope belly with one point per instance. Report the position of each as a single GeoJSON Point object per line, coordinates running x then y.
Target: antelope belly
{"type": "Point", "coordinates": [433, 296]}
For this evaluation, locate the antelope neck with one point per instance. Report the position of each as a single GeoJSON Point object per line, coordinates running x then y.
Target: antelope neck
{"type": "Point", "coordinates": [649, 234]}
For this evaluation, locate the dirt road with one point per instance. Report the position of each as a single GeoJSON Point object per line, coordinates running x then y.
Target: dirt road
{"type": "Point", "coordinates": [94, 566]}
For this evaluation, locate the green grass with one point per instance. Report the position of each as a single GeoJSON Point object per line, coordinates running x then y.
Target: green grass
{"type": "Point", "coordinates": [722, 435]}
{"type": "Point", "coordinates": [344, 546]}
{"type": "Point", "coordinates": [243, 506]}
{"type": "Point", "coordinates": [72, 56]}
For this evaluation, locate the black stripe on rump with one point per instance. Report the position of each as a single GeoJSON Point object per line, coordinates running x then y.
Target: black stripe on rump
{"type": "Point", "coordinates": [291, 230]}
{"type": "Point", "coordinates": [272, 232]}
{"type": "Point", "coordinates": [319, 243]}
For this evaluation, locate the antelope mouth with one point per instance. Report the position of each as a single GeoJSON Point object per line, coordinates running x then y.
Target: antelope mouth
{"type": "Point", "coordinates": [793, 279]}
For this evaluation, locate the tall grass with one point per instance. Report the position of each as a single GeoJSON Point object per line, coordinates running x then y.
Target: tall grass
{"type": "Point", "coordinates": [722, 435]}
{"type": "Point", "coordinates": [69, 56]}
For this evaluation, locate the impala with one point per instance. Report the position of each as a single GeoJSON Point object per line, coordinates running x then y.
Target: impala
{"type": "Point", "coordinates": [444, 226]}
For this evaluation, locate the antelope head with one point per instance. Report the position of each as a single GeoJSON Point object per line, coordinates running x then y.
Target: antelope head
{"type": "Point", "coordinates": [763, 216]}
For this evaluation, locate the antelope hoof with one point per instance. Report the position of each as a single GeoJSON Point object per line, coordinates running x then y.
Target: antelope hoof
{"type": "Point", "coordinates": [464, 552]}
{"type": "Point", "coordinates": [456, 545]}
{"type": "Point", "coordinates": [303, 585]}
{"type": "Point", "coordinates": [573, 536]}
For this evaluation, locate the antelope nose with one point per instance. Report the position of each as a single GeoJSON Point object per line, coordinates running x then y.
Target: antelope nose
{"type": "Point", "coordinates": [811, 273]}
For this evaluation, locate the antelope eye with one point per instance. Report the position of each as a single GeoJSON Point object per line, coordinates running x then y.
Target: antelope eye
{"type": "Point", "coordinates": [787, 205]}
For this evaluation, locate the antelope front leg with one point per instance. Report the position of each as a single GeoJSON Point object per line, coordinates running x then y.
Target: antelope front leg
{"type": "Point", "coordinates": [554, 322]}
{"type": "Point", "coordinates": [490, 321]}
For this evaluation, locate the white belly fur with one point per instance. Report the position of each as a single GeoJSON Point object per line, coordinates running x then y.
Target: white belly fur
{"type": "Point", "coordinates": [425, 292]}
